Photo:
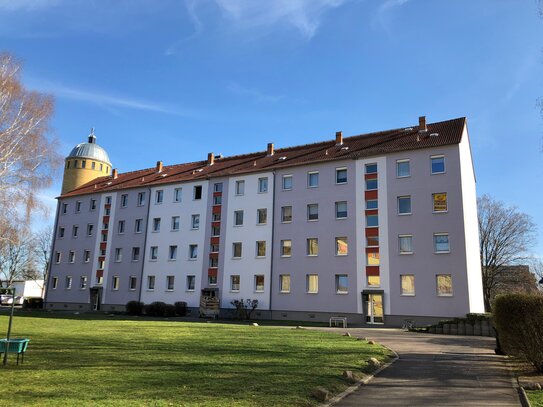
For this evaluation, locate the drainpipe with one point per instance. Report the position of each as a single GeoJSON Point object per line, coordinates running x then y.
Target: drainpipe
{"type": "Point", "coordinates": [50, 265]}
{"type": "Point", "coordinates": [145, 243]}
{"type": "Point", "coordinates": [272, 240]}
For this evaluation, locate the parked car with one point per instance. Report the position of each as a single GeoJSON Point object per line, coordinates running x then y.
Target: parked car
{"type": "Point", "coordinates": [8, 300]}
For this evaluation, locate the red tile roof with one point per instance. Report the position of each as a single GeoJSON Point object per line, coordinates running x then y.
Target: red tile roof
{"type": "Point", "coordinates": [364, 145]}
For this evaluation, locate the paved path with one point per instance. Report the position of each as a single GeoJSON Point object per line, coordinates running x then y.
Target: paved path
{"type": "Point", "coordinates": [436, 370]}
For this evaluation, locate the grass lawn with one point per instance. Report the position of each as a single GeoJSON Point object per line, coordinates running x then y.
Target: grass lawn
{"type": "Point", "coordinates": [92, 359]}
{"type": "Point", "coordinates": [535, 397]}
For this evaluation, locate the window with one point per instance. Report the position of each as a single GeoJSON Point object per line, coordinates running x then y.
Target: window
{"type": "Point", "coordinates": [439, 202]}
{"type": "Point", "coordinates": [83, 282]}
{"type": "Point", "coordinates": [124, 200]}
{"type": "Point", "coordinates": [262, 216]}
{"type": "Point", "coordinates": [238, 218]}
{"type": "Point", "coordinates": [213, 262]}
{"type": "Point", "coordinates": [372, 221]}
{"type": "Point", "coordinates": [115, 283]}
{"type": "Point", "coordinates": [215, 230]}
{"type": "Point", "coordinates": [371, 184]}
{"type": "Point", "coordinates": [261, 248]}
{"type": "Point", "coordinates": [83, 163]}
{"type": "Point", "coordinates": [105, 225]}
{"type": "Point", "coordinates": [101, 264]}
{"type": "Point", "coordinates": [193, 251]}
{"type": "Point", "coordinates": [132, 283]}
{"type": "Point", "coordinates": [341, 175]}
{"type": "Point", "coordinates": [240, 187]}
{"type": "Point", "coordinates": [92, 204]}
{"type": "Point", "coordinates": [78, 207]}
{"type": "Point", "coordinates": [234, 283]}
{"type": "Point", "coordinates": [60, 232]}
{"type": "Point", "coordinates": [341, 210]}
{"type": "Point", "coordinates": [156, 225]}
{"type": "Point", "coordinates": [154, 252]}
{"type": "Point", "coordinates": [287, 182]}
{"type": "Point", "coordinates": [118, 254]}
{"type": "Point", "coordinates": [341, 246]}
{"type": "Point", "coordinates": [286, 214]}
{"type": "Point", "coordinates": [68, 282]}
{"type": "Point", "coordinates": [191, 282]}
{"type": "Point", "coordinates": [104, 237]}
{"type": "Point", "coordinates": [405, 244]}
{"type": "Point", "coordinates": [75, 230]}
{"type": "Point", "coordinates": [138, 225]}
{"type": "Point", "coordinates": [444, 285]}
{"type": "Point", "coordinates": [437, 164]}
{"type": "Point", "coordinates": [404, 205]}
{"type": "Point", "coordinates": [175, 222]}
{"type": "Point", "coordinates": [217, 200]}
{"type": "Point", "coordinates": [90, 229]}
{"type": "Point", "coordinates": [107, 211]}
{"type": "Point", "coordinates": [372, 241]}
{"type": "Point", "coordinates": [313, 179]}
{"type": "Point", "coordinates": [236, 250]}
{"type": "Point", "coordinates": [177, 194]}
{"type": "Point", "coordinates": [371, 168]}
{"type": "Point", "coordinates": [212, 280]}
{"type": "Point", "coordinates": [195, 222]}
{"type": "Point", "coordinates": [150, 282]}
{"type": "Point", "coordinates": [75, 163]}
{"type": "Point", "coordinates": [217, 187]}
{"type": "Point", "coordinates": [262, 185]}
{"type": "Point", "coordinates": [259, 283]}
{"type": "Point", "coordinates": [54, 283]}
{"type": "Point", "coordinates": [407, 282]}
{"type": "Point", "coordinates": [214, 248]}
{"type": "Point", "coordinates": [197, 192]}
{"type": "Point", "coordinates": [441, 243]}
{"type": "Point", "coordinates": [141, 198]}
{"type": "Point", "coordinates": [372, 259]}
{"type": "Point", "coordinates": [71, 256]}
{"type": "Point", "coordinates": [170, 280]}
{"type": "Point", "coordinates": [403, 168]}
{"type": "Point", "coordinates": [86, 256]}
{"type": "Point", "coordinates": [313, 212]}
{"type": "Point", "coordinates": [342, 284]}
{"type": "Point", "coordinates": [99, 279]}
{"type": "Point", "coordinates": [159, 196]}
{"type": "Point", "coordinates": [135, 254]}
{"type": "Point", "coordinates": [286, 248]}
{"type": "Point", "coordinates": [64, 207]}
{"type": "Point", "coordinates": [312, 246]}
{"type": "Point", "coordinates": [172, 253]}
{"type": "Point", "coordinates": [284, 283]}
{"type": "Point", "coordinates": [120, 227]}
{"type": "Point", "coordinates": [312, 283]}
{"type": "Point", "coordinates": [374, 281]}
{"type": "Point", "coordinates": [93, 165]}
{"type": "Point", "coordinates": [216, 217]}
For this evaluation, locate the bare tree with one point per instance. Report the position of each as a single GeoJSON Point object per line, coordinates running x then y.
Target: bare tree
{"type": "Point", "coordinates": [28, 157]}
{"type": "Point", "coordinates": [16, 258]}
{"type": "Point", "coordinates": [536, 267]}
{"type": "Point", "coordinates": [506, 236]}
{"type": "Point", "coordinates": [42, 250]}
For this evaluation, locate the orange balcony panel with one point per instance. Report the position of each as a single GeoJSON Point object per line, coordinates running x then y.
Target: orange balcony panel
{"type": "Point", "coordinates": [105, 219]}
{"type": "Point", "coordinates": [99, 273]}
{"type": "Point", "coordinates": [372, 232]}
{"type": "Point", "coordinates": [216, 224]}
{"type": "Point", "coordinates": [101, 258]}
{"type": "Point", "coordinates": [217, 193]}
{"type": "Point", "coordinates": [212, 272]}
{"type": "Point", "coordinates": [107, 206]}
{"type": "Point", "coordinates": [103, 246]}
{"type": "Point", "coordinates": [216, 209]}
{"type": "Point", "coordinates": [370, 176]}
{"type": "Point", "coordinates": [369, 195]}
{"type": "Point", "coordinates": [215, 240]}
{"type": "Point", "coordinates": [372, 270]}
{"type": "Point", "coordinates": [372, 250]}
{"type": "Point", "coordinates": [214, 255]}
{"type": "Point", "coordinates": [372, 212]}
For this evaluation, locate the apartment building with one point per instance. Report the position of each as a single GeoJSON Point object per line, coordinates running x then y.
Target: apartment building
{"type": "Point", "coordinates": [378, 228]}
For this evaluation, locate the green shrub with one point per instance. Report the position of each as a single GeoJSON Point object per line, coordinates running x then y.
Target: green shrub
{"type": "Point", "coordinates": [155, 309]}
{"type": "Point", "coordinates": [169, 310]}
{"type": "Point", "coordinates": [134, 308]}
{"type": "Point", "coordinates": [519, 324]}
{"type": "Point", "coordinates": [181, 308]}
{"type": "Point", "coordinates": [33, 303]}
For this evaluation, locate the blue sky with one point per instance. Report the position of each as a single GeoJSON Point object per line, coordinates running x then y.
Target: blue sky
{"type": "Point", "coordinates": [173, 80]}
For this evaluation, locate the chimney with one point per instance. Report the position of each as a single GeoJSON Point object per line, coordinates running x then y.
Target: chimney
{"type": "Point", "coordinates": [210, 159]}
{"type": "Point", "coordinates": [422, 123]}
{"type": "Point", "coordinates": [339, 138]}
{"type": "Point", "coordinates": [114, 173]}
{"type": "Point", "coordinates": [271, 150]}
{"type": "Point", "coordinates": [159, 166]}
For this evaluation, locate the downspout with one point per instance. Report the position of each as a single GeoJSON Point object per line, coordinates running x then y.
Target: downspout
{"type": "Point", "coordinates": [50, 265]}
{"type": "Point", "coordinates": [272, 240]}
{"type": "Point", "coordinates": [144, 248]}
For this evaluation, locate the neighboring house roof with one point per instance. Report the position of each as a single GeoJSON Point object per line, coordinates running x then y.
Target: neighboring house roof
{"type": "Point", "coordinates": [364, 145]}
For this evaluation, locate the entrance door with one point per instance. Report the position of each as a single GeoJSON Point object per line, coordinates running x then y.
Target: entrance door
{"type": "Point", "coordinates": [95, 299]}
{"type": "Point", "coordinates": [375, 309]}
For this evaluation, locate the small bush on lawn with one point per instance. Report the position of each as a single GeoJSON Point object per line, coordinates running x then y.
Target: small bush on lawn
{"type": "Point", "coordinates": [181, 308]}
{"type": "Point", "coordinates": [169, 310]}
{"type": "Point", "coordinates": [155, 309]}
{"type": "Point", "coordinates": [33, 303]}
{"type": "Point", "coordinates": [134, 308]}
{"type": "Point", "coordinates": [519, 323]}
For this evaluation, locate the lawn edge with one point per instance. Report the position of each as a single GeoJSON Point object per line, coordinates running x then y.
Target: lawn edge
{"type": "Point", "coordinates": [366, 380]}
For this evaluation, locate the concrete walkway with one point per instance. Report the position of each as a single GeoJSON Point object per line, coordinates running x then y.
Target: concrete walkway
{"type": "Point", "coordinates": [436, 370]}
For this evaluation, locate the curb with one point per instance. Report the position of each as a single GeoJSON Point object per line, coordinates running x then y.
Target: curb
{"type": "Point", "coordinates": [366, 380]}
{"type": "Point", "coordinates": [523, 397]}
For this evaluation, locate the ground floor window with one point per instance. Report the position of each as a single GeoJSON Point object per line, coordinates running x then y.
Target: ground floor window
{"type": "Point", "coordinates": [132, 282]}
{"type": "Point", "coordinates": [191, 281]}
{"type": "Point", "coordinates": [150, 282]}
{"type": "Point", "coordinates": [259, 283]}
{"type": "Point", "coordinates": [444, 285]}
{"type": "Point", "coordinates": [234, 283]}
{"type": "Point", "coordinates": [284, 283]}
{"type": "Point", "coordinates": [407, 284]}
{"type": "Point", "coordinates": [312, 282]}
{"type": "Point", "coordinates": [342, 284]}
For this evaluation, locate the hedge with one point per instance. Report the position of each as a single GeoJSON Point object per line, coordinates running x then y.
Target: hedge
{"type": "Point", "coordinates": [134, 308]}
{"type": "Point", "coordinates": [519, 324]}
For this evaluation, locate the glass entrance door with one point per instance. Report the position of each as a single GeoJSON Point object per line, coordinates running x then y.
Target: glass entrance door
{"type": "Point", "coordinates": [375, 309]}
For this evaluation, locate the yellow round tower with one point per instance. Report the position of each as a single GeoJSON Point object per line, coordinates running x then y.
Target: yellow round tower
{"type": "Point", "coordinates": [85, 162]}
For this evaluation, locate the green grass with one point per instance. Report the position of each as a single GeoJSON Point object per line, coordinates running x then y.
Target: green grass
{"type": "Point", "coordinates": [99, 360]}
{"type": "Point", "coordinates": [535, 397]}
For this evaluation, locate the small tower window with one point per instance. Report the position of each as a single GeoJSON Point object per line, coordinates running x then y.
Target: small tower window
{"type": "Point", "coordinates": [67, 164]}
{"type": "Point", "coordinates": [75, 164]}
{"type": "Point", "coordinates": [83, 164]}
{"type": "Point", "coordinates": [93, 165]}
{"type": "Point", "coordinates": [101, 167]}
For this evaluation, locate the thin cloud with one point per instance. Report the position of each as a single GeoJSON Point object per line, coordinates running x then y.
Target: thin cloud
{"type": "Point", "coordinates": [196, 23]}
{"type": "Point", "coordinates": [384, 11]}
{"type": "Point", "coordinates": [254, 94]}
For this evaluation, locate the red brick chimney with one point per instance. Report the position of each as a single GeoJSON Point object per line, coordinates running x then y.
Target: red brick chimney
{"type": "Point", "coordinates": [159, 166]}
{"type": "Point", "coordinates": [270, 150]}
{"type": "Point", "coordinates": [339, 138]}
{"type": "Point", "coordinates": [114, 173]}
{"type": "Point", "coordinates": [210, 159]}
{"type": "Point", "coordinates": [422, 123]}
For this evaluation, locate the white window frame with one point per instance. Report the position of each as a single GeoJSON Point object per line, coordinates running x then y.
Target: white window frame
{"type": "Point", "coordinates": [176, 221]}
{"type": "Point", "coordinates": [193, 251]}
{"type": "Point", "coordinates": [238, 215]}
{"type": "Point", "coordinates": [337, 278]}
{"type": "Point", "coordinates": [118, 254]}
{"type": "Point", "coordinates": [309, 175]}
{"type": "Point", "coordinates": [282, 248]}
{"type": "Point", "coordinates": [159, 196]}
{"type": "Point", "coordinates": [448, 243]}
{"type": "Point", "coordinates": [338, 170]}
{"type": "Point", "coordinates": [258, 244]}
{"type": "Point", "coordinates": [308, 246]}
{"type": "Point", "coordinates": [337, 239]}
{"type": "Point", "coordinates": [312, 205]}
{"type": "Point", "coordinates": [178, 194]}
{"type": "Point", "coordinates": [172, 253]}
{"type": "Point", "coordinates": [403, 291]}
{"type": "Point", "coordinates": [256, 289]}
{"type": "Point", "coordinates": [232, 288]}
{"type": "Point", "coordinates": [261, 182]}
{"type": "Point", "coordinates": [239, 187]}
{"type": "Point", "coordinates": [398, 205]}
{"type": "Point", "coordinates": [336, 204]}
{"type": "Point", "coordinates": [308, 278]}
{"type": "Point", "coordinates": [283, 214]}
{"type": "Point", "coordinates": [432, 157]}
{"type": "Point", "coordinates": [399, 163]}
{"type": "Point", "coordinates": [285, 177]}
{"type": "Point", "coordinates": [440, 294]}
{"type": "Point", "coordinates": [195, 225]}
{"type": "Point", "coordinates": [281, 289]}
{"type": "Point", "coordinates": [153, 253]}
{"type": "Point", "coordinates": [234, 245]}
{"type": "Point", "coordinates": [406, 236]}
